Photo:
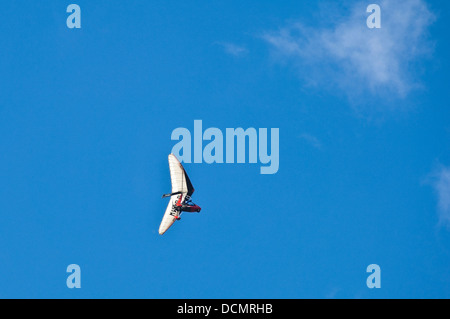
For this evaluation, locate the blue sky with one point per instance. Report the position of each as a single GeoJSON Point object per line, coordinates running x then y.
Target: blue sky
{"type": "Point", "coordinates": [86, 117]}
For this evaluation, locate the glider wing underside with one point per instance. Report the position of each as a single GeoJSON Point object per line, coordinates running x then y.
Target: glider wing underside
{"type": "Point", "coordinates": [169, 216]}
{"type": "Point", "coordinates": [180, 180]}
{"type": "Point", "coordinates": [181, 187]}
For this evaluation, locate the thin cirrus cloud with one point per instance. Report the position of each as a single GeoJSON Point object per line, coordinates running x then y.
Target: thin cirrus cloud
{"type": "Point", "coordinates": [311, 140]}
{"type": "Point", "coordinates": [441, 184]}
{"type": "Point", "coordinates": [233, 49]}
{"type": "Point", "coordinates": [351, 57]}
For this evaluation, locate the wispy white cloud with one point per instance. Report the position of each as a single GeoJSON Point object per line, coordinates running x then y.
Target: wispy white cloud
{"type": "Point", "coordinates": [312, 140]}
{"type": "Point", "coordinates": [441, 184]}
{"type": "Point", "coordinates": [350, 56]}
{"type": "Point", "coordinates": [332, 293]}
{"type": "Point", "coordinates": [233, 49]}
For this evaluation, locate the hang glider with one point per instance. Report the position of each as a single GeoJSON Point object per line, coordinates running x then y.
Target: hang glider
{"type": "Point", "coordinates": [180, 198]}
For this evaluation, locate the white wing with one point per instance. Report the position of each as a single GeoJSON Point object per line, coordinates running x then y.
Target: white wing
{"type": "Point", "coordinates": [179, 178]}
{"type": "Point", "coordinates": [181, 185]}
{"type": "Point", "coordinates": [169, 216]}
